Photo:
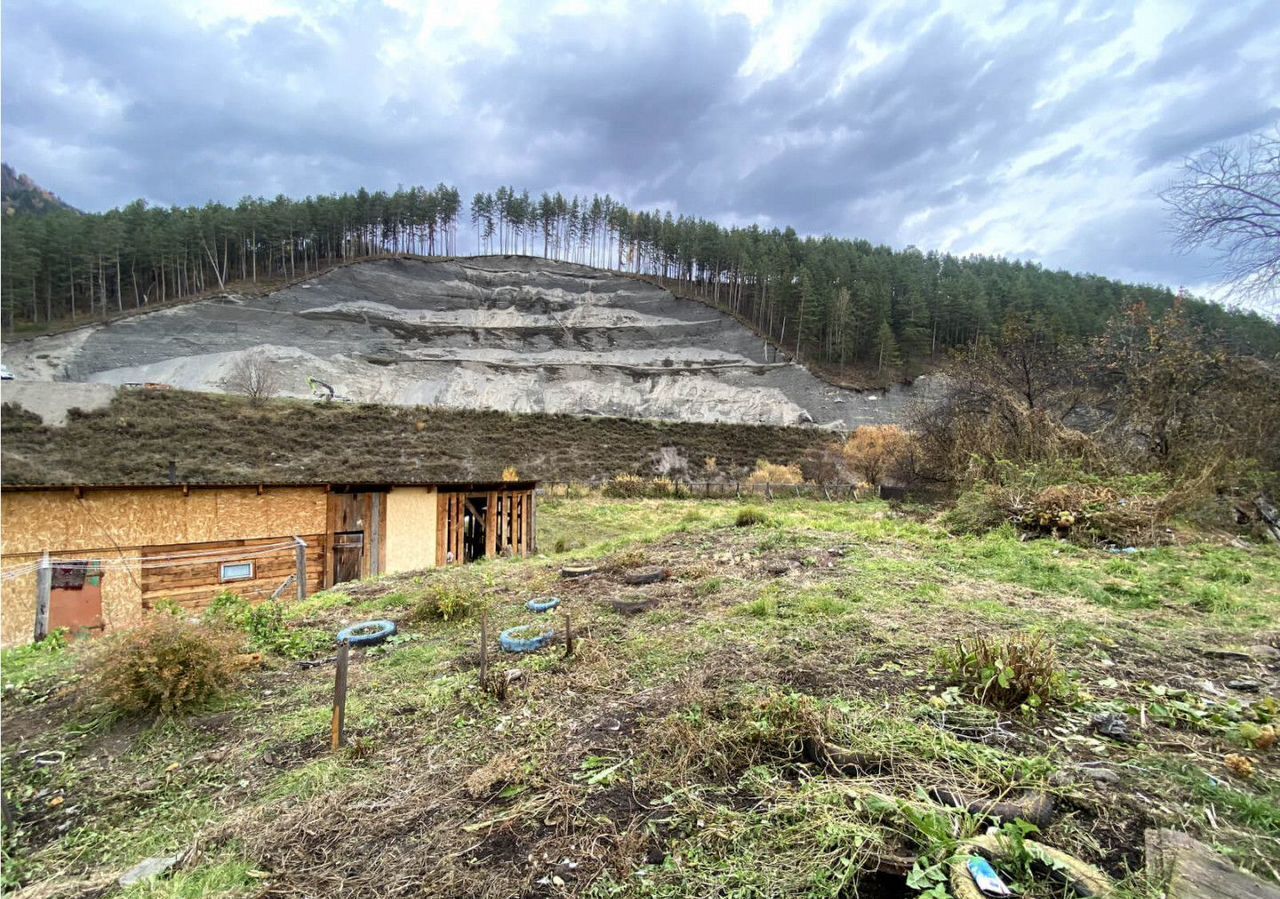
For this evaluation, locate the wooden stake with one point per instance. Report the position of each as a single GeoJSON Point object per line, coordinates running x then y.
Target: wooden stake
{"type": "Point", "coordinates": [300, 553]}
{"type": "Point", "coordinates": [568, 637]}
{"type": "Point", "coordinates": [44, 586]}
{"type": "Point", "coordinates": [338, 737]}
{"type": "Point", "coordinates": [484, 649]}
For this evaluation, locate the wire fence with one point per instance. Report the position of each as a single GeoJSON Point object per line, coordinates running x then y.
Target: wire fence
{"type": "Point", "coordinates": [677, 489]}
{"type": "Point", "coordinates": [102, 561]}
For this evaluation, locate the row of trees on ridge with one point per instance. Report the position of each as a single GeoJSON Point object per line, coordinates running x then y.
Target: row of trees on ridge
{"type": "Point", "coordinates": [828, 301]}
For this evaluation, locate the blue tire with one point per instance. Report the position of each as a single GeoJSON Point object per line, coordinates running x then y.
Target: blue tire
{"type": "Point", "coordinates": [367, 633]}
{"type": "Point", "coordinates": [512, 640]}
{"type": "Point", "coordinates": [546, 605]}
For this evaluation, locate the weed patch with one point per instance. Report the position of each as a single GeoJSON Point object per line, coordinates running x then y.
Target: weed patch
{"type": "Point", "coordinates": [1009, 673]}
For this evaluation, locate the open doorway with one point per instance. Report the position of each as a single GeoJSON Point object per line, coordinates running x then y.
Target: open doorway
{"type": "Point", "coordinates": [474, 527]}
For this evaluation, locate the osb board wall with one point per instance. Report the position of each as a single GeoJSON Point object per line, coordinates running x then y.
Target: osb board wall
{"type": "Point", "coordinates": [193, 583]}
{"type": "Point", "coordinates": [121, 593]}
{"type": "Point", "coordinates": [57, 521]}
{"type": "Point", "coordinates": [410, 532]}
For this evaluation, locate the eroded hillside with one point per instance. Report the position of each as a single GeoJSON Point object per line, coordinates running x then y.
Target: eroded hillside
{"type": "Point", "coordinates": [504, 333]}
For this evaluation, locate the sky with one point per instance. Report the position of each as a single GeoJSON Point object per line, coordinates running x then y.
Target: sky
{"type": "Point", "coordinates": [1040, 131]}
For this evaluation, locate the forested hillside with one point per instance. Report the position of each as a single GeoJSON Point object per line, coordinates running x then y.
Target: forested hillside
{"type": "Point", "coordinates": [834, 302]}
{"type": "Point", "coordinates": [18, 193]}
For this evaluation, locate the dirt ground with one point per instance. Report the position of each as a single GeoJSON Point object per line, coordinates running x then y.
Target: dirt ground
{"type": "Point", "coordinates": [673, 753]}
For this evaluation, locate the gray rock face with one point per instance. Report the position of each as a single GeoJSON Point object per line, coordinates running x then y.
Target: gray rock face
{"type": "Point", "coordinates": [508, 333]}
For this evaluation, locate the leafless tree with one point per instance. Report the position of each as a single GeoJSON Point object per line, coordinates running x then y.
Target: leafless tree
{"type": "Point", "coordinates": [1228, 199]}
{"type": "Point", "coordinates": [253, 376]}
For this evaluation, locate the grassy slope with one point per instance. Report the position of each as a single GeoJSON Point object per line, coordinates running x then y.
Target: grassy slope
{"type": "Point", "coordinates": [663, 759]}
{"type": "Point", "coordinates": [216, 438]}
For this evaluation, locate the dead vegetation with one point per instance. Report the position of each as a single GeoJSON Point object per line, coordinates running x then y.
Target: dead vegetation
{"type": "Point", "coordinates": [220, 438]}
{"type": "Point", "coordinates": [165, 666]}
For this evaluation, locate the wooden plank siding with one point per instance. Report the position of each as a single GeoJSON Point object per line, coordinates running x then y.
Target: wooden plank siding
{"type": "Point", "coordinates": [508, 518]}
{"type": "Point", "coordinates": [193, 584]}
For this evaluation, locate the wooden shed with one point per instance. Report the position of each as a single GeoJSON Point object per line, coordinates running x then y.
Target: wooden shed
{"type": "Point", "coordinates": [116, 551]}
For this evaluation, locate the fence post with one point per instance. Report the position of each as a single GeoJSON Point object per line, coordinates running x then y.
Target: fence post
{"type": "Point", "coordinates": [337, 736]}
{"type": "Point", "coordinates": [484, 650]}
{"type": "Point", "coordinates": [300, 553]}
{"type": "Point", "coordinates": [44, 586]}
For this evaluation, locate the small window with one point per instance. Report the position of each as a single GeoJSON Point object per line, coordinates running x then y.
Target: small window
{"type": "Point", "coordinates": [237, 571]}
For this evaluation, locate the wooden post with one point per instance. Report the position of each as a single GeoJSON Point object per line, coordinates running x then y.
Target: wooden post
{"type": "Point", "coordinates": [484, 649]}
{"type": "Point", "coordinates": [44, 586]}
{"type": "Point", "coordinates": [300, 553]}
{"type": "Point", "coordinates": [568, 637]}
{"type": "Point", "coordinates": [338, 737]}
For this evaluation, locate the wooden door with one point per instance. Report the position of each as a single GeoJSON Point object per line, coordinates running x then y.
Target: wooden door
{"type": "Point", "coordinates": [348, 556]}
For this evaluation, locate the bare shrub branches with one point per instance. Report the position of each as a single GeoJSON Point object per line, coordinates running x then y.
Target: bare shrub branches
{"type": "Point", "coordinates": [1229, 200]}
{"type": "Point", "coordinates": [253, 376]}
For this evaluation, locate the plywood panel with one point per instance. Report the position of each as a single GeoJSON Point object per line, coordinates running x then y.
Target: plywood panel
{"type": "Point", "coordinates": [58, 521]}
{"type": "Point", "coordinates": [410, 532]}
{"type": "Point", "coordinates": [121, 592]}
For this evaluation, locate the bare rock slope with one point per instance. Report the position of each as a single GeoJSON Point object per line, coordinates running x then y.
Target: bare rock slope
{"type": "Point", "coordinates": [507, 333]}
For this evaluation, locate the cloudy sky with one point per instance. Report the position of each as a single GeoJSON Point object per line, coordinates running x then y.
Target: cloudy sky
{"type": "Point", "coordinates": [1033, 130]}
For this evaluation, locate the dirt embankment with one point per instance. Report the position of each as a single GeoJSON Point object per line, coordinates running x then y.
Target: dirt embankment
{"type": "Point", "coordinates": [504, 333]}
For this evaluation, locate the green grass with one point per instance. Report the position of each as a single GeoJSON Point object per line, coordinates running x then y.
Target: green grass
{"type": "Point", "coordinates": [712, 690]}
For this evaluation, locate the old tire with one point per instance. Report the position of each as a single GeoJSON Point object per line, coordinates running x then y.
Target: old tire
{"type": "Point", "coordinates": [545, 605]}
{"type": "Point", "coordinates": [515, 639]}
{"type": "Point", "coordinates": [1084, 879]}
{"type": "Point", "coordinates": [646, 576]}
{"type": "Point", "coordinates": [367, 633]}
{"type": "Point", "coordinates": [577, 570]}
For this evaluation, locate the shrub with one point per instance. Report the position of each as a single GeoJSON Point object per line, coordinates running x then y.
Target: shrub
{"type": "Point", "coordinates": [254, 376]}
{"type": "Point", "coordinates": [749, 516]}
{"type": "Point", "coordinates": [878, 452]}
{"type": "Point", "coordinates": [768, 473]}
{"type": "Point", "coordinates": [1008, 673]}
{"type": "Point", "coordinates": [165, 666]}
{"type": "Point", "coordinates": [632, 486]}
{"type": "Point", "coordinates": [1062, 503]}
{"type": "Point", "coordinates": [265, 626]}
{"type": "Point", "coordinates": [662, 487]}
{"type": "Point", "coordinates": [444, 602]}
{"type": "Point", "coordinates": [625, 486]}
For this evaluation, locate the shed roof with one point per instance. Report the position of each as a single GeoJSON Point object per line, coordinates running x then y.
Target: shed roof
{"type": "Point", "coordinates": [458, 486]}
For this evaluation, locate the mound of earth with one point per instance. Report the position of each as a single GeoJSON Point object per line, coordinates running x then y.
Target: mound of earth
{"type": "Point", "coordinates": [505, 333]}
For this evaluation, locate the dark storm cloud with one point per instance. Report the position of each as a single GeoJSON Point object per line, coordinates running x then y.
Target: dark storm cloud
{"type": "Point", "coordinates": [1042, 131]}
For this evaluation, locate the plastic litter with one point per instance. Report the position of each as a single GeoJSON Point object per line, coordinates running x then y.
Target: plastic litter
{"type": "Point", "coordinates": [986, 878]}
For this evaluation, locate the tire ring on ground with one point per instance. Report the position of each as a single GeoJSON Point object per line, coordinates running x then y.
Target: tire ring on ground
{"type": "Point", "coordinates": [646, 576]}
{"type": "Point", "coordinates": [1083, 878]}
{"type": "Point", "coordinates": [509, 640]}
{"type": "Point", "coordinates": [352, 635]}
{"type": "Point", "coordinates": [577, 570]}
{"type": "Point", "coordinates": [546, 605]}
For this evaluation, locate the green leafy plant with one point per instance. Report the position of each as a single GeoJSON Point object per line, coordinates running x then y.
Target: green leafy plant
{"type": "Point", "coordinates": [265, 626]}
{"type": "Point", "coordinates": [1014, 672]}
{"type": "Point", "coordinates": [445, 602]}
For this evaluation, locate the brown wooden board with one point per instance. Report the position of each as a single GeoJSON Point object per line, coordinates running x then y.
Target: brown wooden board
{"type": "Point", "coordinates": [1197, 872]}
